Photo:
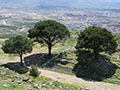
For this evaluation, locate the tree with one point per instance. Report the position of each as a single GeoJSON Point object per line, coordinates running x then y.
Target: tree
{"type": "Point", "coordinates": [49, 32]}
{"type": "Point", "coordinates": [18, 45]}
{"type": "Point", "coordinates": [91, 64]}
{"type": "Point", "coordinates": [96, 40]}
{"type": "Point", "coordinates": [117, 37]}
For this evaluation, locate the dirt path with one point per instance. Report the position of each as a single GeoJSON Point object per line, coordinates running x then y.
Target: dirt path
{"type": "Point", "coordinates": [92, 85]}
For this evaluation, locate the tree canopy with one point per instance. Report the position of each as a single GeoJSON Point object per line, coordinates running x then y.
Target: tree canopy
{"type": "Point", "coordinates": [18, 45]}
{"type": "Point", "coordinates": [49, 32]}
{"type": "Point", "coordinates": [96, 39]}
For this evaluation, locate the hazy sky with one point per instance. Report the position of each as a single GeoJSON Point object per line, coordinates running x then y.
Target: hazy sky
{"type": "Point", "coordinates": [68, 3]}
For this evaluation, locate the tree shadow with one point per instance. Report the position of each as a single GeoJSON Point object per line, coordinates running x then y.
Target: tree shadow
{"type": "Point", "coordinates": [98, 70]}
{"type": "Point", "coordinates": [16, 66]}
{"type": "Point", "coordinates": [37, 59]}
{"type": "Point", "coordinates": [54, 66]}
{"type": "Point", "coordinates": [58, 64]}
{"type": "Point", "coordinates": [41, 58]}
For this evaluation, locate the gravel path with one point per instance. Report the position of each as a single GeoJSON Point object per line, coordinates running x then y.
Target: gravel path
{"type": "Point", "coordinates": [92, 85]}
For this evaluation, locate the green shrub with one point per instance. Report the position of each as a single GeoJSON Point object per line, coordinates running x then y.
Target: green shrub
{"type": "Point", "coordinates": [34, 71]}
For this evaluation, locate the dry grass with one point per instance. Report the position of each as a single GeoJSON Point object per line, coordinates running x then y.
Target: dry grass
{"type": "Point", "coordinates": [37, 48]}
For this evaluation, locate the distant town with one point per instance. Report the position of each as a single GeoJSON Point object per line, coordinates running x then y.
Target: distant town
{"type": "Point", "coordinates": [20, 21]}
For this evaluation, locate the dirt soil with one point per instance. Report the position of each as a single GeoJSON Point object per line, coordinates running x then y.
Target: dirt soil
{"type": "Point", "coordinates": [92, 85]}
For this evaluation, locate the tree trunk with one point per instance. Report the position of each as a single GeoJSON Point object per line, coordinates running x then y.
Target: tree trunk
{"type": "Point", "coordinates": [49, 49]}
{"type": "Point", "coordinates": [21, 60]}
{"type": "Point", "coordinates": [95, 54]}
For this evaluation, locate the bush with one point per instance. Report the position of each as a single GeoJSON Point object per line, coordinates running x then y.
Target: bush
{"type": "Point", "coordinates": [34, 71]}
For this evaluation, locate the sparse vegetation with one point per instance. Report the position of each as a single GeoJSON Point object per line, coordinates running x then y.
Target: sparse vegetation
{"type": "Point", "coordinates": [11, 80]}
{"type": "Point", "coordinates": [34, 71]}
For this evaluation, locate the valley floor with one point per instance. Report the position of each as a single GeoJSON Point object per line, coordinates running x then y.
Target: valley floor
{"type": "Point", "coordinates": [92, 85]}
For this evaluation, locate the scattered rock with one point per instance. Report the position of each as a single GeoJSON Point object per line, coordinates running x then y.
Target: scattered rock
{"type": "Point", "coordinates": [29, 87]}
{"type": "Point", "coordinates": [53, 85]}
{"type": "Point", "coordinates": [67, 87]}
{"type": "Point", "coordinates": [3, 73]}
{"type": "Point", "coordinates": [19, 82]}
{"type": "Point", "coordinates": [81, 88]}
{"type": "Point", "coordinates": [17, 77]}
{"type": "Point", "coordinates": [25, 79]}
{"type": "Point", "coordinates": [51, 82]}
{"type": "Point", "coordinates": [60, 87]}
{"type": "Point", "coordinates": [44, 89]}
{"type": "Point", "coordinates": [12, 80]}
{"type": "Point", "coordinates": [36, 86]}
{"type": "Point", "coordinates": [4, 85]}
{"type": "Point", "coordinates": [30, 81]}
{"type": "Point", "coordinates": [44, 85]}
{"type": "Point", "coordinates": [64, 61]}
{"type": "Point", "coordinates": [9, 76]}
{"type": "Point", "coordinates": [87, 89]}
{"type": "Point", "coordinates": [0, 68]}
{"type": "Point", "coordinates": [7, 69]}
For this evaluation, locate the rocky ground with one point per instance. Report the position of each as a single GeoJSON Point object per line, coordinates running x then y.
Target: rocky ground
{"type": "Point", "coordinates": [10, 80]}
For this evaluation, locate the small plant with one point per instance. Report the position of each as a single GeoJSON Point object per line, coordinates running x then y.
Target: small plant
{"type": "Point", "coordinates": [34, 71]}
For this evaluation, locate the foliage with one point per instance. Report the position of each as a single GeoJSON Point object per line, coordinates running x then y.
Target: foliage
{"type": "Point", "coordinates": [49, 32]}
{"type": "Point", "coordinates": [96, 39]}
{"type": "Point", "coordinates": [17, 45]}
{"type": "Point", "coordinates": [90, 43]}
{"type": "Point", "coordinates": [34, 71]}
{"type": "Point", "coordinates": [117, 38]}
